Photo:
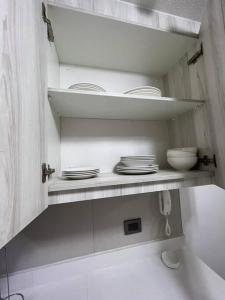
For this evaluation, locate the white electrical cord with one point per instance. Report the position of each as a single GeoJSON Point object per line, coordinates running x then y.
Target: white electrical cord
{"type": "Point", "coordinates": [9, 296]}
{"type": "Point", "coordinates": [168, 230]}
{"type": "Point", "coordinates": [165, 209]}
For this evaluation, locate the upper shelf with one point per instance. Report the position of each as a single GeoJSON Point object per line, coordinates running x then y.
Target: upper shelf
{"type": "Point", "coordinates": [70, 103]}
{"type": "Point", "coordinates": [94, 41]}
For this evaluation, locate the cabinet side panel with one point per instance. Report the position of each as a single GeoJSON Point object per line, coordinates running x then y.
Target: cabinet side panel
{"type": "Point", "coordinates": [188, 82]}
{"type": "Point", "coordinates": [22, 126]}
{"type": "Point", "coordinates": [213, 36]}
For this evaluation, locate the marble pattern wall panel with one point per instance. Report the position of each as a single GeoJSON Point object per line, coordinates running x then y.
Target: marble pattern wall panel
{"type": "Point", "coordinates": [22, 119]}
{"type": "Point", "coordinates": [133, 14]}
{"type": "Point", "coordinates": [77, 229]}
{"type": "Point", "coordinates": [213, 36]}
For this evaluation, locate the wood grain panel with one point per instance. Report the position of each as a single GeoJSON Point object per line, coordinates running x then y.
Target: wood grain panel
{"type": "Point", "coordinates": [191, 128]}
{"type": "Point", "coordinates": [133, 14]}
{"type": "Point", "coordinates": [22, 126]}
{"type": "Point", "coordinates": [213, 36]}
{"type": "Point", "coordinates": [112, 185]}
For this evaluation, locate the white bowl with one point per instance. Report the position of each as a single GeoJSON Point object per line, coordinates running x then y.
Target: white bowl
{"type": "Point", "coordinates": [182, 163]}
{"type": "Point", "coordinates": [186, 150]}
{"type": "Point", "coordinates": [181, 154]}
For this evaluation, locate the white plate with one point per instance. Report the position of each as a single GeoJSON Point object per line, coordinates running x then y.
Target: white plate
{"type": "Point", "coordinates": [137, 172]}
{"type": "Point", "coordinates": [146, 94]}
{"type": "Point", "coordinates": [79, 176]}
{"type": "Point", "coordinates": [80, 169]}
{"type": "Point", "coordinates": [87, 86]}
{"type": "Point", "coordinates": [138, 163]}
{"type": "Point", "coordinates": [137, 167]}
{"type": "Point", "coordinates": [75, 172]}
{"type": "Point", "coordinates": [143, 88]}
{"type": "Point", "coordinates": [79, 173]}
{"type": "Point", "coordinates": [138, 157]}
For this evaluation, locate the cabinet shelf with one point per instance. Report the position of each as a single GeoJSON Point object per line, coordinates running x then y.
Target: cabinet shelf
{"type": "Point", "coordinates": [70, 103]}
{"type": "Point", "coordinates": [112, 185]}
{"type": "Point", "coordinates": [97, 41]}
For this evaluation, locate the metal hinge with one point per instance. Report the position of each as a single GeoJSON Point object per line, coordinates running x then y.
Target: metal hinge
{"type": "Point", "coordinates": [46, 172]}
{"type": "Point", "coordinates": [48, 22]}
{"type": "Point", "coordinates": [205, 160]}
{"type": "Point", "coordinates": [195, 57]}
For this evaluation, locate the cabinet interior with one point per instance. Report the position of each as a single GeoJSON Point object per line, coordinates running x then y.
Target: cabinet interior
{"type": "Point", "coordinates": [91, 129]}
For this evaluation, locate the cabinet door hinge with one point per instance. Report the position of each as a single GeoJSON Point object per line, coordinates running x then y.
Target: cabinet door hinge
{"type": "Point", "coordinates": [48, 22]}
{"type": "Point", "coordinates": [205, 160]}
{"type": "Point", "coordinates": [46, 171]}
{"type": "Point", "coordinates": [195, 57]}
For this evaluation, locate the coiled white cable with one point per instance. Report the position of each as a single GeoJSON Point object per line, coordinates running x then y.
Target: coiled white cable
{"type": "Point", "coordinates": [165, 209]}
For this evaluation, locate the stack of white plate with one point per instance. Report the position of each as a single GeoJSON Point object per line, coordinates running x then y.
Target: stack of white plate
{"type": "Point", "coordinates": [141, 164]}
{"type": "Point", "coordinates": [87, 87]}
{"type": "Point", "coordinates": [145, 91]}
{"type": "Point", "coordinates": [182, 159]}
{"type": "Point", "coordinates": [79, 173]}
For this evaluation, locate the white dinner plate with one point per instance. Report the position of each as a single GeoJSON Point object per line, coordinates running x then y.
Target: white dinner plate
{"type": "Point", "coordinates": [79, 176]}
{"type": "Point", "coordinates": [137, 167]}
{"type": "Point", "coordinates": [146, 94]}
{"type": "Point", "coordinates": [87, 86]}
{"type": "Point", "coordinates": [145, 87]}
{"type": "Point", "coordinates": [137, 172]}
{"type": "Point", "coordinates": [80, 169]}
{"type": "Point", "coordinates": [138, 157]}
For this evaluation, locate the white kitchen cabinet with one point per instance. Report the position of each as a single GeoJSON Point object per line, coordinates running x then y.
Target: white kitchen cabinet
{"type": "Point", "coordinates": [22, 115]}
{"type": "Point", "coordinates": [119, 53]}
{"type": "Point", "coordinates": [97, 128]}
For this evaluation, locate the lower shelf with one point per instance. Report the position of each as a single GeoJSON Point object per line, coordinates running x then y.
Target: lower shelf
{"type": "Point", "coordinates": [113, 185]}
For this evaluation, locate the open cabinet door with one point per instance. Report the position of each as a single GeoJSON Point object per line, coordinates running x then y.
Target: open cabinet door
{"type": "Point", "coordinates": [22, 115]}
{"type": "Point", "coordinates": [213, 37]}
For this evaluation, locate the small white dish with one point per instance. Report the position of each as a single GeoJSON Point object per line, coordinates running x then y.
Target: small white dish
{"type": "Point", "coordinates": [171, 259]}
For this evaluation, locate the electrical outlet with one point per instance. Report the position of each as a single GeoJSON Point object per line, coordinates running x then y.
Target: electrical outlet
{"type": "Point", "coordinates": [132, 226]}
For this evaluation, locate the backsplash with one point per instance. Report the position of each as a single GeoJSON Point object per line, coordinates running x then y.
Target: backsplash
{"type": "Point", "coordinates": [76, 229]}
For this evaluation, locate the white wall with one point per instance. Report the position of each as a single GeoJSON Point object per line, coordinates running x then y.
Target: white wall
{"type": "Point", "coordinates": [110, 80]}
{"type": "Point", "coordinates": [75, 229]}
{"type": "Point", "coordinates": [203, 218]}
{"type": "Point", "coordinates": [101, 142]}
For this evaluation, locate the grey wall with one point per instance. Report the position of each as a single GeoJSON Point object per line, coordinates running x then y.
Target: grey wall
{"type": "Point", "coordinates": [70, 230]}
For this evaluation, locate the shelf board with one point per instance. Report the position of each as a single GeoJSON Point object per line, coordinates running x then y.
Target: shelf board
{"type": "Point", "coordinates": [96, 41]}
{"type": "Point", "coordinates": [112, 185]}
{"type": "Point", "coordinates": [70, 103]}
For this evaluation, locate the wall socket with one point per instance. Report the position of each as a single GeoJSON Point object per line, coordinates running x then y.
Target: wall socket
{"type": "Point", "coordinates": [132, 226]}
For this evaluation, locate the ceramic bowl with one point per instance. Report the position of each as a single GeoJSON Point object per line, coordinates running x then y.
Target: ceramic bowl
{"type": "Point", "coordinates": [181, 154]}
{"type": "Point", "coordinates": [182, 163]}
{"type": "Point", "coordinates": [188, 151]}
